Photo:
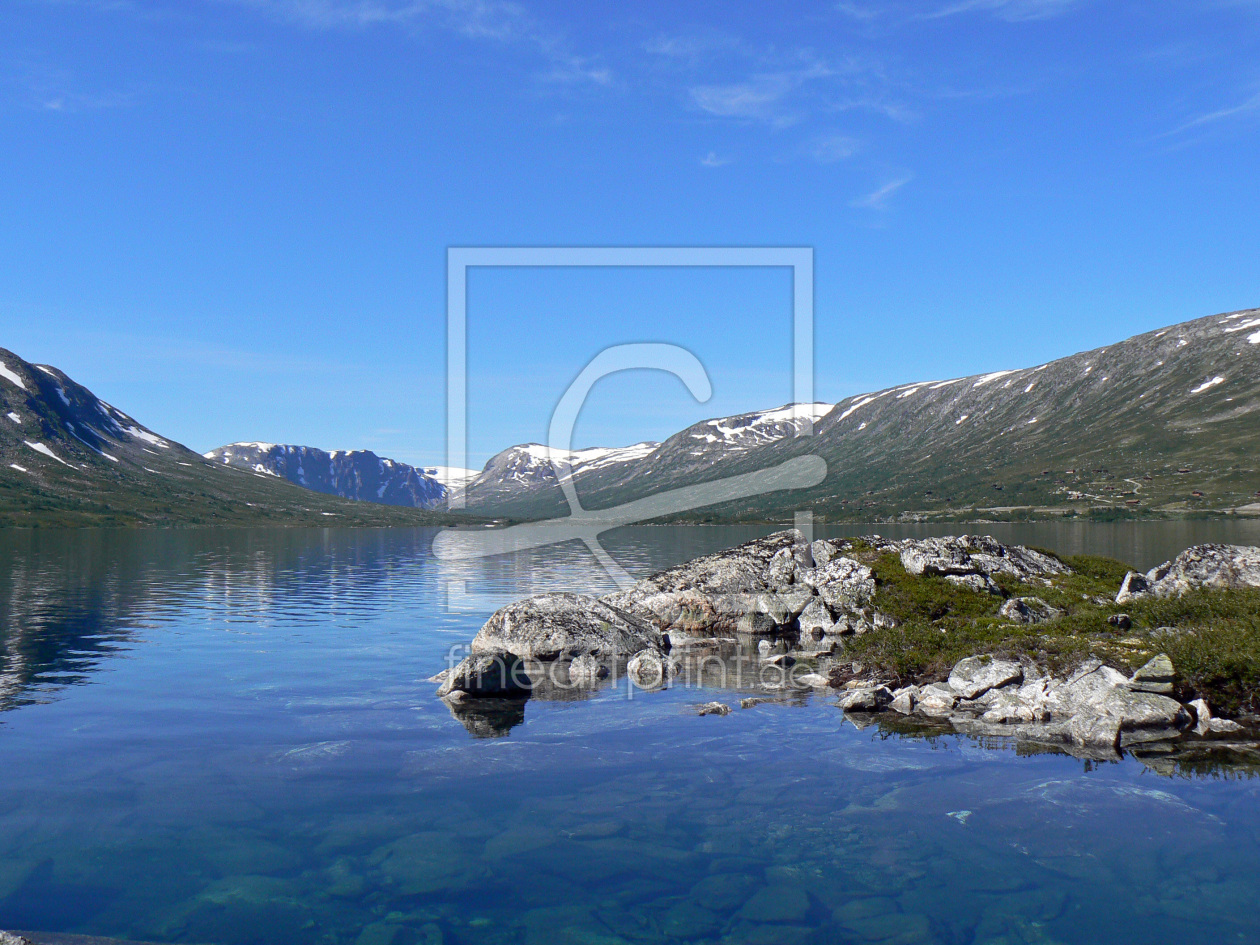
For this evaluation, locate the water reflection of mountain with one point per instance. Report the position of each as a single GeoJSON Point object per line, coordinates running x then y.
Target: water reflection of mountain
{"type": "Point", "coordinates": [70, 600]}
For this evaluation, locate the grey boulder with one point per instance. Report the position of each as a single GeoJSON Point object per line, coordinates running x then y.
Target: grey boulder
{"type": "Point", "coordinates": [1028, 610]}
{"type": "Point", "coordinates": [976, 675]}
{"type": "Point", "coordinates": [487, 675]}
{"type": "Point", "coordinates": [565, 626]}
{"type": "Point", "coordinates": [1202, 566]}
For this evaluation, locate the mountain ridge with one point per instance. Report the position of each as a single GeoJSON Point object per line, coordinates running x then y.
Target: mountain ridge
{"type": "Point", "coordinates": [1014, 441]}
{"type": "Point", "coordinates": [69, 458]}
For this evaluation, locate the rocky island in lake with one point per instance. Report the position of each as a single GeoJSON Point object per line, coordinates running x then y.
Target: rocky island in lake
{"type": "Point", "coordinates": [965, 632]}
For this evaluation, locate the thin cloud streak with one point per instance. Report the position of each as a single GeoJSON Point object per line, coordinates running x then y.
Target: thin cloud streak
{"type": "Point", "coordinates": [1013, 11]}
{"type": "Point", "coordinates": [1250, 105]}
{"type": "Point", "coordinates": [878, 199]}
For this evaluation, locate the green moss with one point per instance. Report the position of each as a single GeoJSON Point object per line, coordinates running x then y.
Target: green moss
{"type": "Point", "coordinates": [1213, 637]}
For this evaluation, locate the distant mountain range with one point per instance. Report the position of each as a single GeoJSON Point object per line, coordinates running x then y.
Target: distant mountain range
{"type": "Point", "coordinates": [1167, 421]}
{"type": "Point", "coordinates": [351, 474]}
{"type": "Point", "coordinates": [69, 458]}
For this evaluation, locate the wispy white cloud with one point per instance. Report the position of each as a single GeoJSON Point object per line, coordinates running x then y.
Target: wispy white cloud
{"type": "Point", "coordinates": [764, 96]}
{"type": "Point", "coordinates": [878, 199]}
{"type": "Point", "coordinates": [1221, 114]}
{"type": "Point", "coordinates": [831, 148]}
{"type": "Point", "coordinates": [40, 87]}
{"type": "Point", "coordinates": [857, 11]}
{"type": "Point", "coordinates": [1011, 10]}
{"type": "Point", "coordinates": [713, 159]}
{"type": "Point", "coordinates": [499, 21]}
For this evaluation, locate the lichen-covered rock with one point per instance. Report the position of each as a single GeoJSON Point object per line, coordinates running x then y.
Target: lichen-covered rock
{"type": "Point", "coordinates": [1158, 676]}
{"type": "Point", "coordinates": [586, 670]}
{"type": "Point", "coordinates": [713, 708]}
{"type": "Point", "coordinates": [974, 554]}
{"type": "Point", "coordinates": [565, 626]}
{"type": "Point", "coordinates": [1210, 566]}
{"type": "Point", "coordinates": [651, 668]}
{"type": "Point", "coordinates": [976, 675]}
{"type": "Point", "coordinates": [1133, 585]}
{"type": "Point", "coordinates": [1028, 610]}
{"type": "Point", "coordinates": [488, 675]}
{"type": "Point", "coordinates": [866, 699]}
{"type": "Point", "coordinates": [842, 583]}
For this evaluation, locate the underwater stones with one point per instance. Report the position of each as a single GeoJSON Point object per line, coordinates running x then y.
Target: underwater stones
{"type": "Point", "coordinates": [8, 938]}
{"type": "Point", "coordinates": [487, 674]}
{"type": "Point", "coordinates": [1028, 610]}
{"type": "Point", "coordinates": [1156, 676]}
{"type": "Point", "coordinates": [688, 919]}
{"type": "Point", "coordinates": [424, 863]}
{"type": "Point", "coordinates": [380, 933]}
{"type": "Point", "coordinates": [723, 892]}
{"type": "Point", "coordinates": [976, 675]}
{"type": "Point", "coordinates": [775, 904]}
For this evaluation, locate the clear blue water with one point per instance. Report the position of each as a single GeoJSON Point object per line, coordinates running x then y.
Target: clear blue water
{"type": "Point", "coordinates": [225, 737]}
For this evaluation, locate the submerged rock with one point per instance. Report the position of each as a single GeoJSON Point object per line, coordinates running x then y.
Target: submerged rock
{"type": "Point", "coordinates": [713, 708]}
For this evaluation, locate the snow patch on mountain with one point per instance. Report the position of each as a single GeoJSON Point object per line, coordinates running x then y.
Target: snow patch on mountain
{"type": "Point", "coordinates": [41, 448]}
{"type": "Point", "coordinates": [10, 376]}
{"type": "Point", "coordinates": [1208, 384]}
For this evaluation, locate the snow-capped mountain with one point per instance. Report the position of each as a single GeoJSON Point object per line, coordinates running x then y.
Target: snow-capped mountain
{"type": "Point", "coordinates": [68, 457]}
{"type": "Point", "coordinates": [515, 478]}
{"type": "Point", "coordinates": [351, 474]}
{"type": "Point", "coordinates": [1168, 420]}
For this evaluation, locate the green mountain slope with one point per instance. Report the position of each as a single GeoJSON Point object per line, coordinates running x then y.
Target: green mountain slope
{"type": "Point", "coordinates": [69, 458]}
{"type": "Point", "coordinates": [1165, 422]}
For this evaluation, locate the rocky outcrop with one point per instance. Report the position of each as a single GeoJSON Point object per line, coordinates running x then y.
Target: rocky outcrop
{"type": "Point", "coordinates": [1210, 566]}
{"type": "Point", "coordinates": [565, 626]}
{"type": "Point", "coordinates": [1028, 610]}
{"type": "Point", "coordinates": [1095, 707]}
{"type": "Point", "coordinates": [487, 675]}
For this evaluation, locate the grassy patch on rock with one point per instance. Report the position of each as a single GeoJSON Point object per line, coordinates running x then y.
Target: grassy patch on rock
{"type": "Point", "coordinates": [1212, 636]}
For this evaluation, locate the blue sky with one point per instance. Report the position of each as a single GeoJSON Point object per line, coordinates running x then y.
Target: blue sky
{"type": "Point", "coordinates": [230, 217]}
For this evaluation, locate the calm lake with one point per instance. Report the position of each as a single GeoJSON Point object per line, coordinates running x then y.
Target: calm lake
{"type": "Point", "coordinates": [225, 736]}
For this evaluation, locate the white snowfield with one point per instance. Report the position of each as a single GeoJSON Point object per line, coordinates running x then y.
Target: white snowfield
{"type": "Point", "coordinates": [41, 448]}
{"type": "Point", "coordinates": [1208, 384]}
{"type": "Point", "coordinates": [136, 433]}
{"type": "Point", "coordinates": [451, 475]}
{"type": "Point", "coordinates": [9, 376]}
{"type": "Point", "coordinates": [18, 468]}
{"type": "Point", "coordinates": [14, 417]}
